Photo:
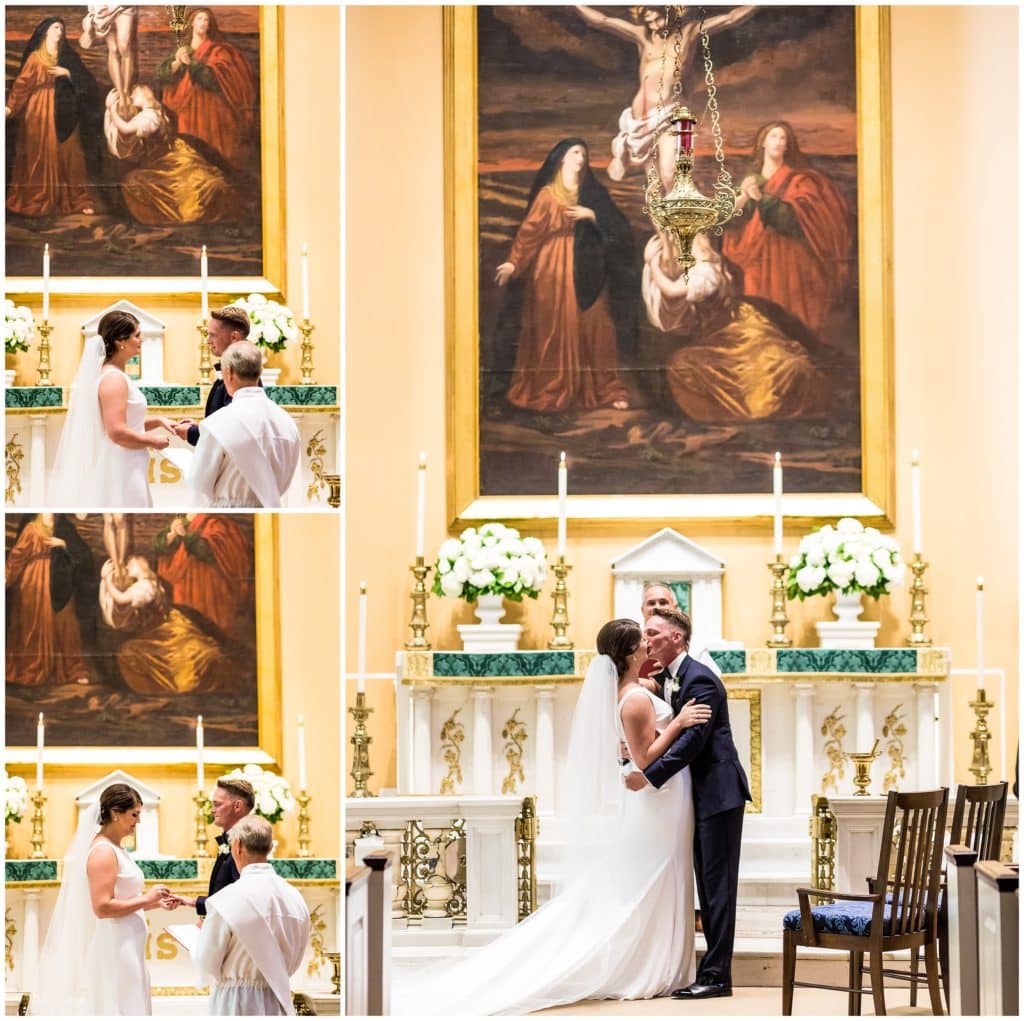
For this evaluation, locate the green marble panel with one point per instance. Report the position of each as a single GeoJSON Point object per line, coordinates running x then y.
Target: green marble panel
{"type": "Point", "coordinates": [41, 870]}
{"type": "Point", "coordinates": [305, 868]}
{"type": "Point", "coordinates": [731, 661]}
{"type": "Point", "coordinates": [171, 396]}
{"type": "Point", "coordinates": [34, 397]}
{"type": "Point", "coordinates": [846, 661]}
{"type": "Point", "coordinates": [303, 396]}
{"type": "Point", "coordinates": [168, 868]}
{"type": "Point", "coordinates": [540, 663]}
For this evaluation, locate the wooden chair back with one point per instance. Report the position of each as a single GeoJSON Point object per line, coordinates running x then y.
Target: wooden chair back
{"type": "Point", "coordinates": [978, 818]}
{"type": "Point", "coordinates": [912, 862]}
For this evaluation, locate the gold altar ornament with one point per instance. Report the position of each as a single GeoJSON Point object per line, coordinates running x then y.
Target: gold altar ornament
{"type": "Point", "coordinates": [44, 329]}
{"type": "Point", "coordinates": [203, 807]}
{"type": "Point", "coordinates": [981, 766]}
{"type": "Point", "coordinates": [304, 799]}
{"type": "Point", "coordinates": [205, 356]}
{"type": "Point", "coordinates": [38, 850]}
{"type": "Point", "coordinates": [306, 364]}
{"type": "Point", "coordinates": [918, 619]}
{"type": "Point", "coordinates": [560, 618]}
{"type": "Point", "coordinates": [862, 770]}
{"type": "Point", "coordinates": [360, 742]}
{"type": "Point", "coordinates": [778, 619]}
{"type": "Point", "coordinates": [418, 623]}
{"type": "Point", "coordinates": [685, 212]}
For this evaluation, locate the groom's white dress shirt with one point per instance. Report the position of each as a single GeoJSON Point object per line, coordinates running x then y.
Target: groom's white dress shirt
{"type": "Point", "coordinates": [253, 939]}
{"type": "Point", "coordinates": [247, 453]}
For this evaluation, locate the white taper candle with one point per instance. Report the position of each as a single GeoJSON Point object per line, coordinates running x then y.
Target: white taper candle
{"type": "Point", "coordinates": [777, 493]}
{"type": "Point", "coordinates": [204, 272]}
{"type": "Point", "coordinates": [302, 754]}
{"type": "Point", "coordinates": [40, 745]}
{"type": "Point", "coordinates": [305, 281]}
{"type": "Point", "coordinates": [361, 642]}
{"type": "Point", "coordinates": [46, 283]}
{"type": "Point", "coordinates": [915, 499]}
{"type": "Point", "coordinates": [563, 497]}
{"type": "Point", "coordinates": [981, 631]}
{"type": "Point", "coordinates": [421, 502]}
{"type": "Point", "coordinates": [200, 745]}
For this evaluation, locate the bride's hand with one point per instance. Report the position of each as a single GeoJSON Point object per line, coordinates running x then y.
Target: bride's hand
{"type": "Point", "coordinates": [160, 442]}
{"type": "Point", "coordinates": [153, 898]}
{"type": "Point", "coordinates": [693, 714]}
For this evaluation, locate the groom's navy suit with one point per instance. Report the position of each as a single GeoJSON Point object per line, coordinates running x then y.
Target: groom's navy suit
{"type": "Point", "coordinates": [224, 873]}
{"type": "Point", "coordinates": [720, 793]}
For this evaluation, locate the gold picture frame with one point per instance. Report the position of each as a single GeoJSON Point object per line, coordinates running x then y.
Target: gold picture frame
{"type": "Point", "coordinates": [272, 207]}
{"type": "Point", "coordinates": [268, 686]}
{"type": "Point", "coordinates": [874, 504]}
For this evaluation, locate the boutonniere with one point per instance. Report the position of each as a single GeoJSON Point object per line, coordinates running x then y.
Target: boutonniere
{"type": "Point", "coordinates": [224, 849]}
{"type": "Point", "coordinates": [671, 687]}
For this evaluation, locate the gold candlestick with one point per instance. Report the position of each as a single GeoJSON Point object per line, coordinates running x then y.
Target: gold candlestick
{"type": "Point", "coordinates": [44, 329]}
{"type": "Point", "coordinates": [560, 620]}
{"type": "Point", "coordinates": [202, 803]}
{"type": "Point", "coordinates": [333, 489]}
{"type": "Point", "coordinates": [360, 742]}
{"type": "Point", "coordinates": [335, 959]}
{"type": "Point", "coordinates": [306, 365]}
{"type": "Point", "coordinates": [205, 356]}
{"type": "Point", "coordinates": [862, 770]}
{"type": "Point", "coordinates": [917, 614]}
{"type": "Point", "coordinates": [304, 799]}
{"type": "Point", "coordinates": [38, 800]}
{"type": "Point", "coordinates": [980, 764]}
{"type": "Point", "coordinates": [778, 619]}
{"type": "Point", "coordinates": [419, 623]}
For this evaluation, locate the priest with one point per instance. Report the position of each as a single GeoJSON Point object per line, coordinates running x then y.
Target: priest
{"type": "Point", "coordinates": [248, 450]}
{"type": "Point", "coordinates": [255, 933]}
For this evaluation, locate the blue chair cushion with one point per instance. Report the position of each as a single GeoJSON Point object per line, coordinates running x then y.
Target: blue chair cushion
{"type": "Point", "coordinates": [844, 918]}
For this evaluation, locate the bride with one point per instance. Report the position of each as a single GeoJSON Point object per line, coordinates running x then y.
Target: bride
{"type": "Point", "coordinates": [103, 456]}
{"type": "Point", "coordinates": [622, 928]}
{"type": "Point", "coordinates": [94, 956]}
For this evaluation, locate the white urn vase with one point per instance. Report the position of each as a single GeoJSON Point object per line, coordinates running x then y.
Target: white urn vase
{"type": "Point", "coordinates": [847, 631]}
{"type": "Point", "coordinates": [490, 635]}
{"type": "Point", "coordinates": [270, 375]}
{"type": "Point", "coordinates": [9, 376]}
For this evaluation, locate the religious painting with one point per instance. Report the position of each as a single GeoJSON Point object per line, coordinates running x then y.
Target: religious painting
{"type": "Point", "coordinates": [573, 326]}
{"type": "Point", "coordinates": [123, 628]}
{"type": "Point", "coordinates": [136, 134]}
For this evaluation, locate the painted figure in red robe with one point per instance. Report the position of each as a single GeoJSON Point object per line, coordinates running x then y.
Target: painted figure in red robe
{"type": "Point", "coordinates": [212, 89]}
{"type": "Point", "coordinates": [794, 243]}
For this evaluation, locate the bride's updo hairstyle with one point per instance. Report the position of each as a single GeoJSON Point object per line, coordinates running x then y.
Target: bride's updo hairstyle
{"type": "Point", "coordinates": [118, 797]}
{"type": "Point", "coordinates": [114, 326]}
{"type": "Point", "coordinates": [618, 640]}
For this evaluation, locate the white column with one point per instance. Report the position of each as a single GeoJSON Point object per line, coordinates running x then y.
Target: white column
{"type": "Point", "coordinates": [864, 734]}
{"type": "Point", "coordinates": [295, 495]}
{"type": "Point", "coordinates": [483, 765]}
{"type": "Point", "coordinates": [544, 767]}
{"type": "Point", "coordinates": [804, 781]}
{"type": "Point", "coordinates": [30, 944]}
{"type": "Point", "coordinates": [37, 461]}
{"type": "Point", "coordinates": [422, 740]}
{"type": "Point", "coordinates": [927, 735]}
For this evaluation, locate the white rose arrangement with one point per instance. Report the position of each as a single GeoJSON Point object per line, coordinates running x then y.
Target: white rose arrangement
{"type": "Point", "coordinates": [18, 327]}
{"type": "Point", "coordinates": [491, 560]}
{"type": "Point", "coordinates": [273, 793]}
{"type": "Point", "coordinates": [272, 324]}
{"type": "Point", "coordinates": [15, 798]}
{"type": "Point", "coordinates": [846, 558]}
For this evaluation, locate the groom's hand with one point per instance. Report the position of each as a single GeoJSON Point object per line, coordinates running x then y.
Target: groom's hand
{"type": "Point", "coordinates": [180, 429]}
{"type": "Point", "coordinates": [635, 781]}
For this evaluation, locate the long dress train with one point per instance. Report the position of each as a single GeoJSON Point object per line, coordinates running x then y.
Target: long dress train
{"type": "Point", "coordinates": [622, 929]}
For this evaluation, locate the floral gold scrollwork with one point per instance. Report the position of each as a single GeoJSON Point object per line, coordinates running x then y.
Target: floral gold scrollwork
{"type": "Point", "coordinates": [433, 872]}
{"type": "Point", "coordinates": [527, 830]}
{"type": "Point", "coordinates": [452, 736]}
{"type": "Point", "coordinates": [415, 867]}
{"type": "Point", "coordinates": [10, 931]}
{"type": "Point", "coordinates": [514, 733]}
{"type": "Point", "coordinates": [316, 451]}
{"type": "Point", "coordinates": [318, 926]}
{"type": "Point", "coordinates": [895, 730]}
{"type": "Point", "coordinates": [832, 727]}
{"type": "Point", "coordinates": [13, 456]}
{"type": "Point", "coordinates": [452, 862]}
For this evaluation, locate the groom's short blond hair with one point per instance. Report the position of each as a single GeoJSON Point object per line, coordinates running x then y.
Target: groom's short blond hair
{"type": "Point", "coordinates": [255, 835]}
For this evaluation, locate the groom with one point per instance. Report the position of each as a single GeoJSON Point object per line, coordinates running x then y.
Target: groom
{"type": "Point", "coordinates": [720, 792]}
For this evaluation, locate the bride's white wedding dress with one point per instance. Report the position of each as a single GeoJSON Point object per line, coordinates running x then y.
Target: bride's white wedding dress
{"type": "Point", "coordinates": [93, 966]}
{"type": "Point", "coordinates": [623, 928]}
{"type": "Point", "coordinates": [90, 469]}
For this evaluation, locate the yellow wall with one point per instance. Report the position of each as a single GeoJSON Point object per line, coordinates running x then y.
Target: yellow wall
{"type": "Point", "coordinates": [312, 167]}
{"type": "Point", "coordinates": [956, 336]}
{"type": "Point", "coordinates": [308, 559]}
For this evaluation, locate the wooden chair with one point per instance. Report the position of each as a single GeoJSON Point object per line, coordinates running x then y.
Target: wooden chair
{"type": "Point", "coordinates": [900, 914]}
{"type": "Point", "coordinates": [978, 824]}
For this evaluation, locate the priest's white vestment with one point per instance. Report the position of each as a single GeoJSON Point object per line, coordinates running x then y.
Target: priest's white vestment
{"type": "Point", "coordinates": [247, 453]}
{"type": "Point", "coordinates": [253, 939]}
